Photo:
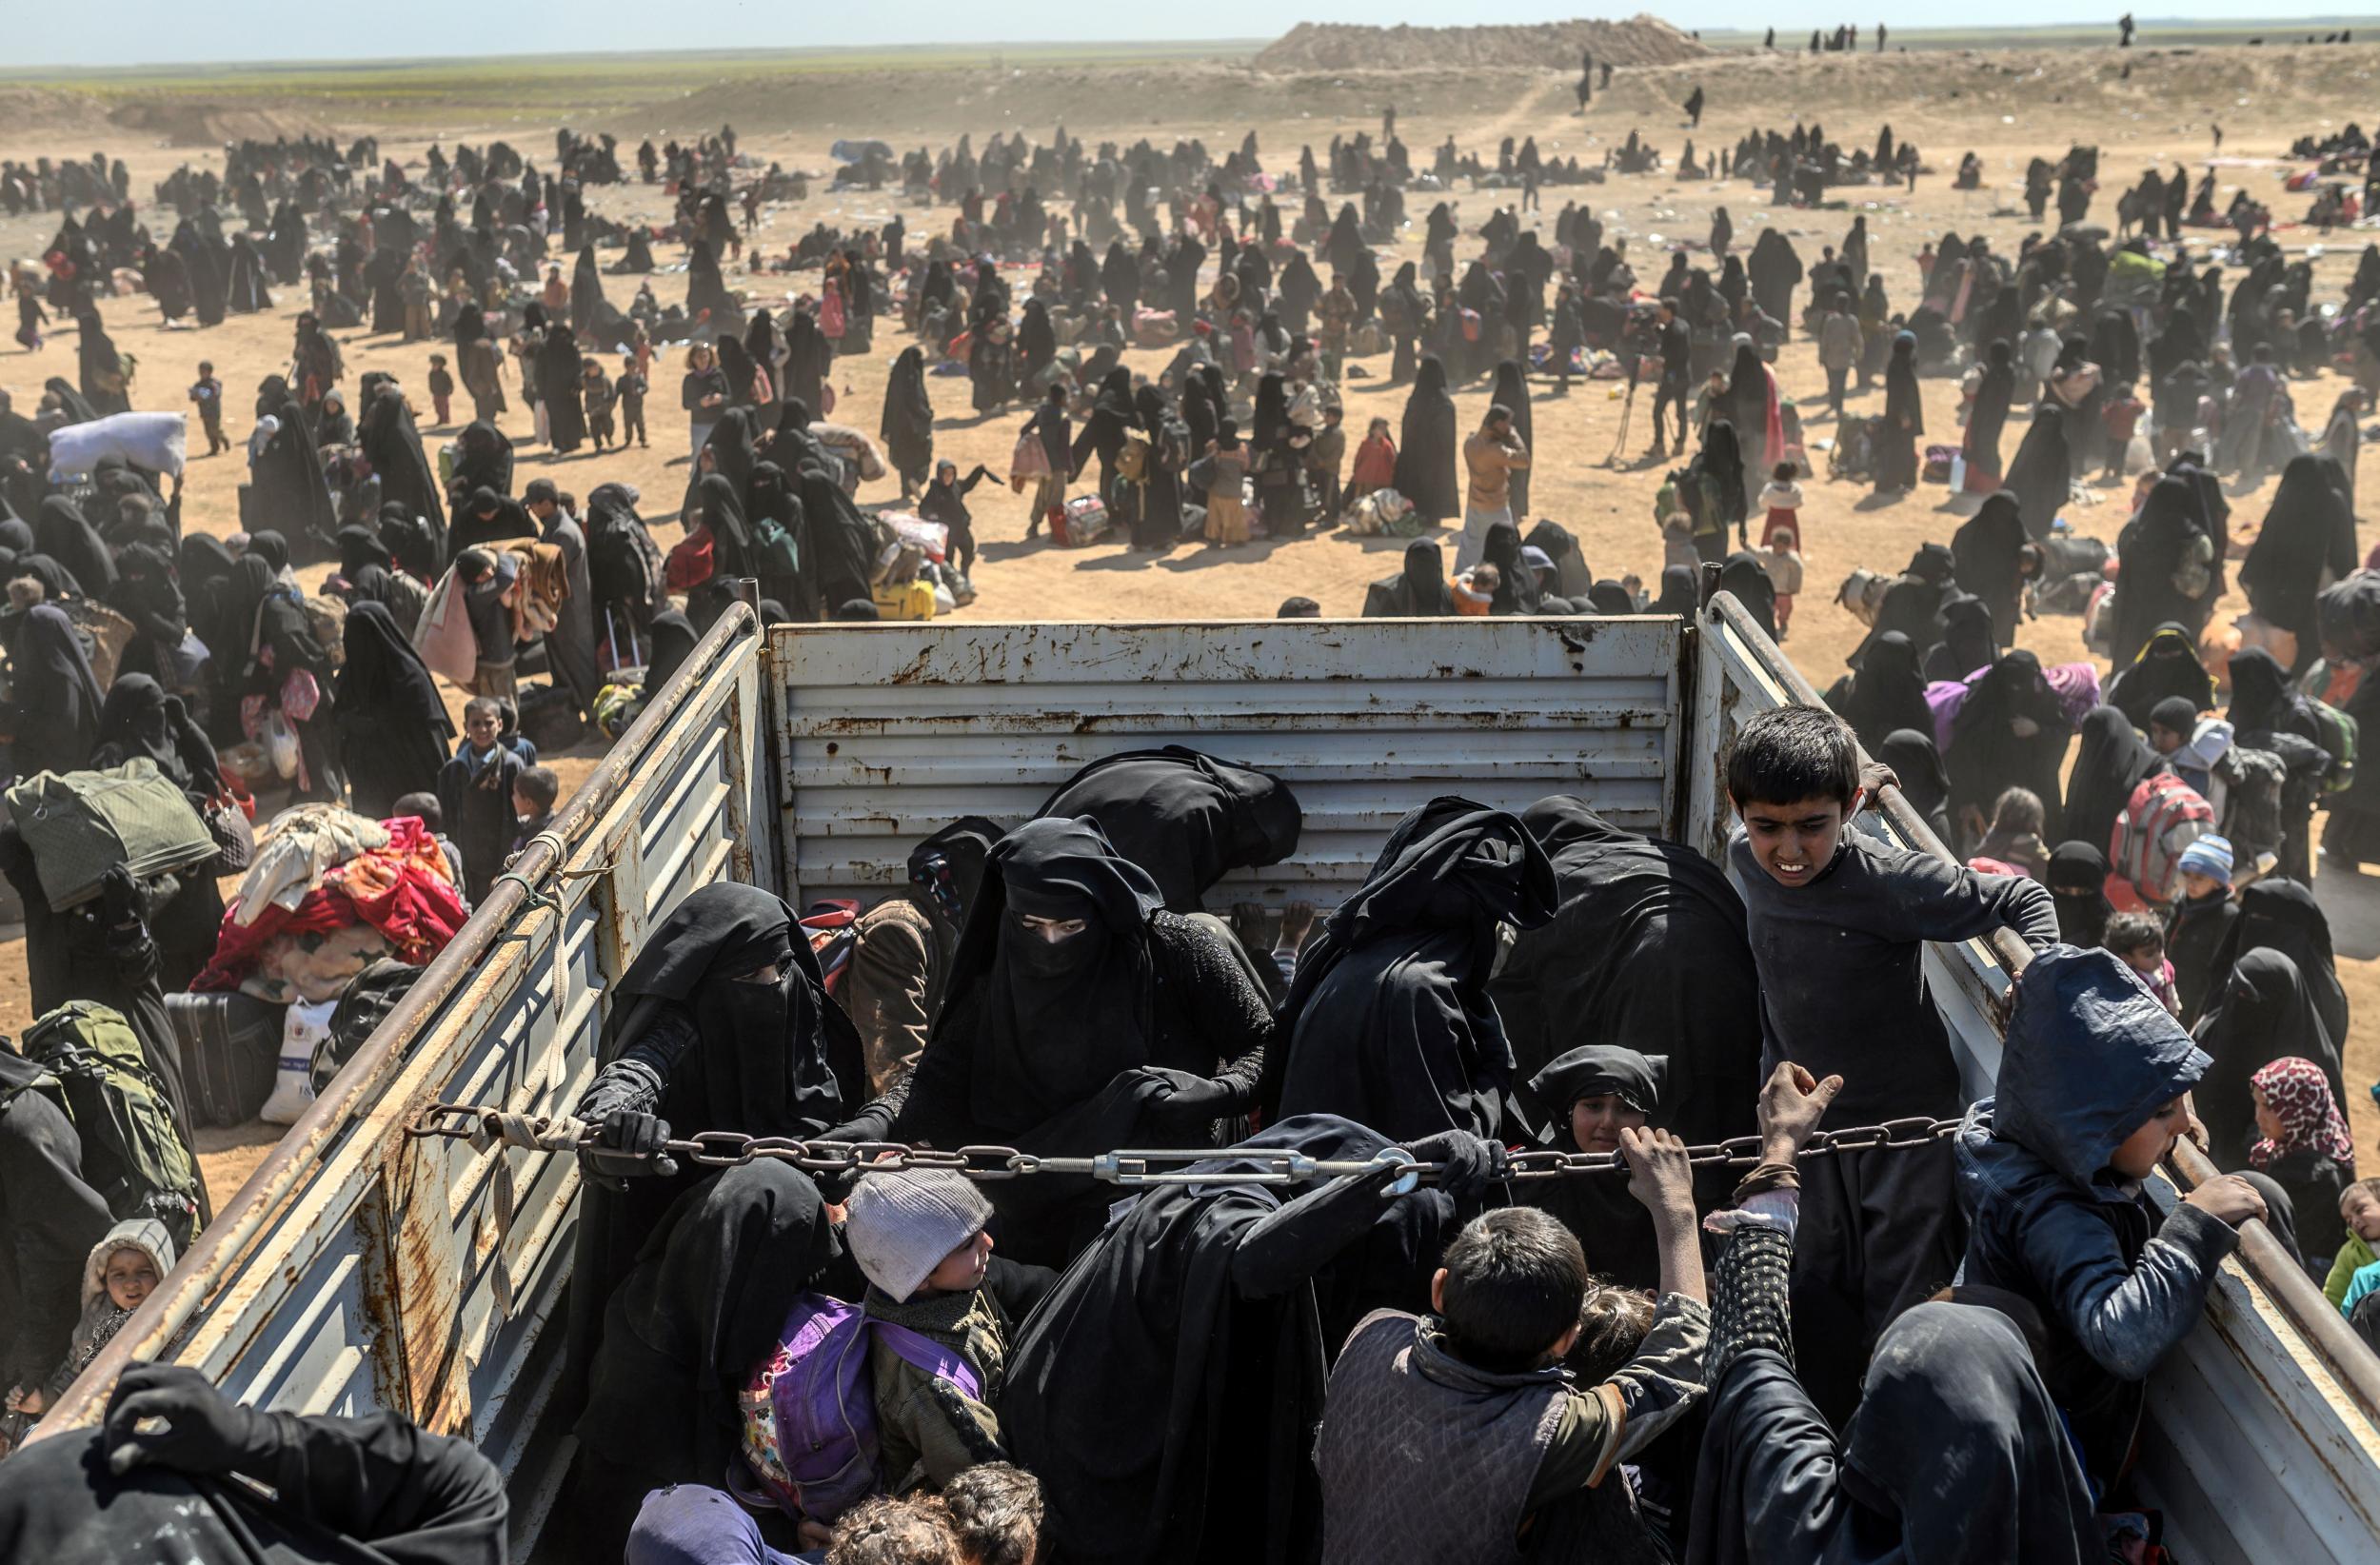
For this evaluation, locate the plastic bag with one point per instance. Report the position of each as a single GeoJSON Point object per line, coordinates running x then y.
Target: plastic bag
{"type": "Point", "coordinates": [305, 1028]}
{"type": "Point", "coordinates": [281, 743]}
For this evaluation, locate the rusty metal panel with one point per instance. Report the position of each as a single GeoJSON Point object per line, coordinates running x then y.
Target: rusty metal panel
{"type": "Point", "coordinates": [421, 1275]}
{"type": "Point", "coordinates": [2254, 1445]}
{"type": "Point", "coordinates": [887, 733]}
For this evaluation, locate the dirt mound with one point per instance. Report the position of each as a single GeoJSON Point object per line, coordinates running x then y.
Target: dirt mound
{"type": "Point", "coordinates": [1332, 46]}
{"type": "Point", "coordinates": [185, 122]}
{"type": "Point", "coordinates": [53, 111]}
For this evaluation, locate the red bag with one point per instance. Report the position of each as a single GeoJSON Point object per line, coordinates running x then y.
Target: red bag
{"type": "Point", "coordinates": [832, 928]}
{"type": "Point", "coordinates": [2164, 816]}
{"type": "Point", "coordinates": [1470, 326]}
{"type": "Point", "coordinates": [690, 563]}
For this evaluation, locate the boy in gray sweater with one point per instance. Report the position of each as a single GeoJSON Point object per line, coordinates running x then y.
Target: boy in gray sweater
{"type": "Point", "coordinates": [1838, 923]}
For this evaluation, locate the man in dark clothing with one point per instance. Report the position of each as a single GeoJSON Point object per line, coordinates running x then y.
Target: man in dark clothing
{"type": "Point", "coordinates": [172, 1475]}
{"type": "Point", "coordinates": [1676, 378]}
{"type": "Point", "coordinates": [1838, 925]}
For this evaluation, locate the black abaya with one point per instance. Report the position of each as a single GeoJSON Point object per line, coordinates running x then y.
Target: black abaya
{"type": "Point", "coordinates": [2166, 665]}
{"type": "Point", "coordinates": [1428, 455]}
{"type": "Point", "coordinates": [1389, 1019]}
{"type": "Point", "coordinates": [2042, 470]}
{"type": "Point", "coordinates": [396, 730]}
{"type": "Point", "coordinates": [1186, 817]}
{"type": "Point", "coordinates": [1989, 755]}
{"type": "Point", "coordinates": [2263, 1010]}
{"type": "Point", "coordinates": [392, 444]}
{"type": "Point", "coordinates": [55, 701]}
{"type": "Point", "coordinates": [1989, 552]}
{"type": "Point", "coordinates": [1904, 419]}
{"type": "Point", "coordinates": [290, 490]}
{"type": "Point", "coordinates": [2308, 534]}
{"type": "Point", "coordinates": [1887, 693]}
{"type": "Point", "coordinates": [560, 378]}
{"type": "Point", "coordinates": [907, 426]}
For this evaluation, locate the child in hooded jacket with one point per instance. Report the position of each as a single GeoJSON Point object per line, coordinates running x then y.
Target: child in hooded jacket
{"type": "Point", "coordinates": [123, 1269]}
{"type": "Point", "coordinates": [2093, 1092]}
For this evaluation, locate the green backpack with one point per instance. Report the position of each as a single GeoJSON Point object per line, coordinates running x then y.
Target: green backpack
{"type": "Point", "coordinates": [779, 551]}
{"type": "Point", "coordinates": [133, 1154]}
{"type": "Point", "coordinates": [2338, 731]}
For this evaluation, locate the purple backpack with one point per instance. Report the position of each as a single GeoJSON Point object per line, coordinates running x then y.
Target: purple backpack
{"type": "Point", "coordinates": [825, 1407]}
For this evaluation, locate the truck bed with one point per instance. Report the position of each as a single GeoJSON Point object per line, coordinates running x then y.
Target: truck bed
{"type": "Point", "coordinates": [361, 1269]}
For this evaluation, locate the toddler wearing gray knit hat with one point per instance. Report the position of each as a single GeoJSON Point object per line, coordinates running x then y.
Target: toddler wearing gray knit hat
{"type": "Point", "coordinates": [900, 1226]}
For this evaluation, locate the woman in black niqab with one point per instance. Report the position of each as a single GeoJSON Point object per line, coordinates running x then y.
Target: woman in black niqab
{"type": "Point", "coordinates": [392, 443]}
{"type": "Point", "coordinates": [560, 378]}
{"type": "Point", "coordinates": [1743, 578]}
{"type": "Point", "coordinates": [1988, 418]}
{"type": "Point", "coordinates": [720, 510]}
{"type": "Point", "coordinates": [2076, 875]}
{"type": "Point", "coordinates": [2166, 665]}
{"type": "Point", "coordinates": [1886, 693]}
{"type": "Point", "coordinates": [101, 366]}
{"type": "Point", "coordinates": [2164, 550]}
{"type": "Point", "coordinates": [60, 532]}
{"type": "Point", "coordinates": [1516, 589]}
{"type": "Point", "coordinates": [1682, 592]}
{"type": "Point", "coordinates": [1967, 644]}
{"type": "Point", "coordinates": [395, 727]}
{"type": "Point", "coordinates": [1419, 591]}
{"type": "Point", "coordinates": [1390, 1021]}
{"type": "Point", "coordinates": [2308, 539]}
{"type": "Point", "coordinates": [2264, 1008]}
{"type": "Point", "coordinates": [1082, 1015]}
{"type": "Point", "coordinates": [907, 427]}
{"type": "Point", "coordinates": [2282, 916]}
{"type": "Point", "coordinates": [364, 564]}
{"type": "Point", "coordinates": [1988, 549]}
{"type": "Point", "coordinates": [840, 562]}
{"type": "Point", "coordinates": [771, 499]}
{"type": "Point", "coordinates": [1510, 392]}
{"type": "Point", "coordinates": [482, 461]}
{"type": "Point", "coordinates": [1428, 455]}
{"type": "Point", "coordinates": [1186, 817]}
{"type": "Point", "coordinates": [674, 643]}
{"type": "Point", "coordinates": [2009, 733]}
{"type": "Point", "coordinates": [1958, 1455]}
{"type": "Point", "coordinates": [53, 697]}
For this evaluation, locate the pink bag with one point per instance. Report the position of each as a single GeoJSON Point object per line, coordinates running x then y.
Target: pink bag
{"type": "Point", "coordinates": [299, 696]}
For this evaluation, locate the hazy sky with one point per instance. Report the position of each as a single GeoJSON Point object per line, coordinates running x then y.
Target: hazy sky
{"type": "Point", "coordinates": [149, 32]}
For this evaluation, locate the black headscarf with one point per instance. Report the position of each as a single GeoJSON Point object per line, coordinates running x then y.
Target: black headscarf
{"type": "Point", "coordinates": [1923, 781]}
{"type": "Point", "coordinates": [2282, 916]}
{"type": "Point", "coordinates": [1595, 1070]}
{"type": "Point", "coordinates": [2166, 665]}
{"type": "Point", "coordinates": [2076, 876]}
{"type": "Point", "coordinates": [482, 461]}
{"type": "Point", "coordinates": [1888, 692]}
{"type": "Point", "coordinates": [2262, 701]}
{"type": "Point", "coordinates": [139, 719]}
{"type": "Point", "coordinates": [1428, 455]}
{"type": "Point", "coordinates": [1957, 1454]}
{"type": "Point", "coordinates": [1681, 593]}
{"type": "Point", "coordinates": [2154, 547]}
{"type": "Point", "coordinates": [2263, 1010]}
{"type": "Point", "coordinates": [841, 561]}
{"type": "Point", "coordinates": [2108, 764]}
{"type": "Point", "coordinates": [1184, 816]}
{"type": "Point", "coordinates": [674, 643]}
{"type": "Point", "coordinates": [60, 532]}
{"type": "Point", "coordinates": [392, 444]}
{"type": "Point", "coordinates": [289, 480]}
{"type": "Point", "coordinates": [365, 560]}
{"type": "Point", "coordinates": [1746, 580]}
{"type": "Point", "coordinates": [1390, 1019]}
{"type": "Point", "coordinates": [721, 506]}
{"type": "Point", "coordinates": [56, 699]}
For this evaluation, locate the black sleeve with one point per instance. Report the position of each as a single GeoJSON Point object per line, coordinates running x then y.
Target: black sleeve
{"type": "Point", "coordinates": [1229, 1013]}
{"type": "Point", "coordinates": [52, 1219]}
{"type": "Point", "coordinates": [934, 1109]}
{"type": "Point", "coordinates": [966, 485]}
{"type": "Point", "coordinates": [417, 1498]}
{"type": "Point", "coordinates": [638, 1079]}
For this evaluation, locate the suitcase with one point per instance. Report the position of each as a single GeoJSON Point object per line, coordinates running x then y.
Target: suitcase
{"type": "Point", "coordinates": [230, 1045]}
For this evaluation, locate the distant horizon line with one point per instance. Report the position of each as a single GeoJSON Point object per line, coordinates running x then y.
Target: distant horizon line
{"type": "Point", "coordinates": [46, 74]}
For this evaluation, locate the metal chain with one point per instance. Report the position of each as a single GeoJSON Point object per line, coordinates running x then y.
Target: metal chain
{"type": "Point", "coordinates": [732, 1149]}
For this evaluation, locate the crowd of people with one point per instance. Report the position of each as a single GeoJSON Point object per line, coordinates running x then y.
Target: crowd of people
{"type": "Point", "coordinates": [1638, 1364]}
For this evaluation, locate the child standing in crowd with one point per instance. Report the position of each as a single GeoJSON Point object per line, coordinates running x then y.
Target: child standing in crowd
{"type": "Point", "coordinates": [1376, 462]}
{"type": "Point", "coordinates": [533, 796]}
{"type": "Point", "coordinates": [598, 397]}
{"type": "Point", "coordinates": [441, 389]}
{"type": "Point", "coordinates": [2201, 920]}
{"type": "Point", "coordinates": [937, 1357]}
{"type": "Point", "coordinates": [629, 389]}
{"type": "Point", "coordinates": [2051, 1172]}
{"type": "Point", "coordinates": [1782, 498]}
{"type": "Point", "coordinates": [1398, 1483]}
{"type": "Point", "coordinates": [208, 393]}
{"type": "Point", "coordinates": [475, 791]}
{"type": "Point", "coordinates": [1780, 561]}
{"type": "Point", "coordinates": [945, 501]}
{"type": "Point", "coordinates": [1838, 923]}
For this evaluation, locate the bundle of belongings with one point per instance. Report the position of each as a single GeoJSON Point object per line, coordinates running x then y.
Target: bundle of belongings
{"type": "Point", "coordinates": [79, 825]}
{"type": "Point", "coordinates": [530, 580]}
{"type": "Point", "coordinates": [329, 894]}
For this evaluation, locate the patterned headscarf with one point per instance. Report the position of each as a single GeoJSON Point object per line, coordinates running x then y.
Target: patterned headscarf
{"type": "Point", "coordinates": [2299, 1096]}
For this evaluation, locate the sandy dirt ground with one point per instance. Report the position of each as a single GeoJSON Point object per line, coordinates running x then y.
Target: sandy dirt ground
{"type": "Point", "coordinates": [2156, 107]}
